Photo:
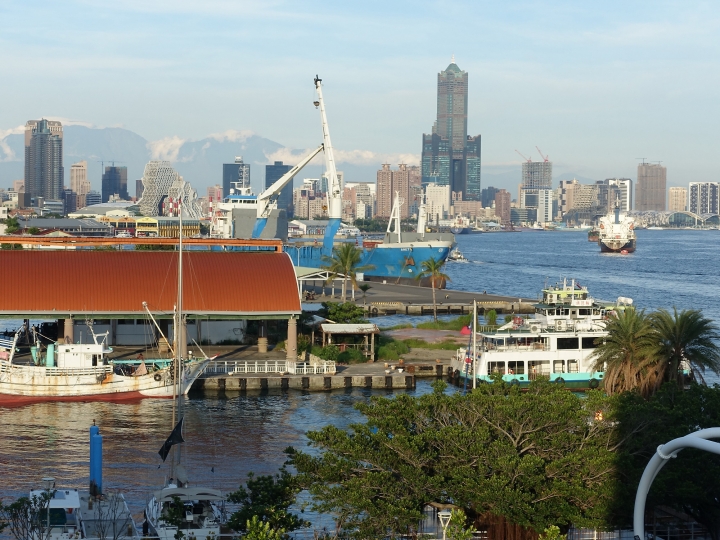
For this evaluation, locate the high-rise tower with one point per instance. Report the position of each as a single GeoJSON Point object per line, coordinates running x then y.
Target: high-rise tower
{"type": "Point", "coordinates": [44, 159]}
{"type": "Point", "coordinates": [449, 156]}
{"type": "Point", "coordinates": [650, 189]}
{"type": "Point", "coordinates": [114, 182]}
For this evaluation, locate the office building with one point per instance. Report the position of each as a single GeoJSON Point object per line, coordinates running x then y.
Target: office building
{"type": "Point", "coordinates": [215, 193]}
{"type": "Point", "coordinates": [487, 196]}
{"type": "Point", "coordinates": [93, 197]}
{"type": "Point", "coordinates": [405, 182]}
{"type": "Point", "coordinates": [677, 199]}
{"type": "Point", "coordinates": [536, 175]}
{"type": "Point", "coordinates": [70, 198]}
{"type": "Point", "coordinates": [18, 185]}
{"type": "Point", "coordinates": [502, 205]}
{"type": "Point", "coordinates": [703, 197]}
{"type": "Point", "coordinates": [114, 182]}
{"type": "Point", "coordinates": [79, 183]}
{"type": "Point", "coordinates": [139, 189]}
{"type": "Point", "coordinates": [651, 187]}
{"type": "Point", "coordinates": [545, 205]}
{"type": "Point", "coordinates": [449, 156]}
{"type": "Point", "coordinates": [384, 191]}
{"type": "Point", "coordinates": [625, 187]}
{"type": "Point", "coordinates": [235, 172]}
{"type": "Point", "coordinates": [273, 173]}
{"type": "Point", "coordinates": [437, 202]}
{"type": "Point", "coordinates": [44, 172]}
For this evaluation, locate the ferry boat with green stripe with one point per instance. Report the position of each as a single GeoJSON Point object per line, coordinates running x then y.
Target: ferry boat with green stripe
{"type": "Point", "coordinates": [557, 343]}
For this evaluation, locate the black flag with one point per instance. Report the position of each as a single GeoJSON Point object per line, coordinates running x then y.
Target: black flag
{"type": "Point", "coordinates": [174, 438]}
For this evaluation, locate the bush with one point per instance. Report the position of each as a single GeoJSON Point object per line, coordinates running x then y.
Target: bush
{"type": "Point", "coordinates": [390, 349]}
{"type": "Point", "coordinates": [454, 324]}
{"type": "Point", "coordinates": [303, 343]}
{"type": "Point", "coordinates": [387, 353]}
{"type": "Point", "coordinates": [491, 317]}
{"type": "Point", "coordinates": [331, 352]}
{"type": "Point", "coordinates": [351, 356]}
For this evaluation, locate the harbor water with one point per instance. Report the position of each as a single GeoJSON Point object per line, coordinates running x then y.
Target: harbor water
{"type": "Point", "coordinates": [231, 434]}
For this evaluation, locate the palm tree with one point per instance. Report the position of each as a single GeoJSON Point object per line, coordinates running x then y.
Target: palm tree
{"type": "Point", "coordinates": [432, 268]}
{"type": "Point", "coordinates": [345, 261]}
{"type": "Point", "coordinates": [686, 336]}
{"type": "Point", "coordinates": [364, 288]}
{"type": "Point", "coordinates": [627, 354]}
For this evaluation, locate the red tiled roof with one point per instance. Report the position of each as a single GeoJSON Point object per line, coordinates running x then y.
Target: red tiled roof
{"type": "Point", "coordinates": [118, 282]}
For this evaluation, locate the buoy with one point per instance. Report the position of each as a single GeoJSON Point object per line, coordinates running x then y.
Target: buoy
{"type": "Point", "coordinates": [624, 252]}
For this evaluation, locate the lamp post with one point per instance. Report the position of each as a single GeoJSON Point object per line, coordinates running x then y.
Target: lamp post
{"type": "Point", "coordinates": [444, 516]}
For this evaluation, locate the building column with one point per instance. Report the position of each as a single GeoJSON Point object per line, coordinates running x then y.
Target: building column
{"type": "Point", "coordinates": [291, 342]}
{"type": "Point", "coordinates": [262, 337]}
{"type": "Point", "coordinates": [68, 332]}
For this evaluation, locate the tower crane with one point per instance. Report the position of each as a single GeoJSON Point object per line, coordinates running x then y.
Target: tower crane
{"type": "Point", "coordinates": [525, 158]}
{"type": "Point", "coordinates": [545, 158]}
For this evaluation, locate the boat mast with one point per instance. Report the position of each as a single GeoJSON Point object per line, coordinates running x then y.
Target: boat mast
{"type": "Point", "coordinates": [474, 330]}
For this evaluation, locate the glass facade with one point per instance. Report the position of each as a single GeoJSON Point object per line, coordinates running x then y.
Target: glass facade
{"type": "Point", "coordinates": [273, 173]}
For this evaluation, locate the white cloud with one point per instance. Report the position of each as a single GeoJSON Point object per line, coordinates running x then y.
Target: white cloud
{"type": "Point", "coordinates": [71, 122]}
{"type": "Point", "coordinates": [232, 135]}
{"type": "Point", "coordinates": [352, 157]}
{"type": "Point", "coordinates": [166, 149]}
{"type": "Point", "coordinates": [5, 147]}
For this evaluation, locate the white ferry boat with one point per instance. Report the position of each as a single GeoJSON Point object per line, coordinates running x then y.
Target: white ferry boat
{"type": "Point", "coordinates": [557, 343]}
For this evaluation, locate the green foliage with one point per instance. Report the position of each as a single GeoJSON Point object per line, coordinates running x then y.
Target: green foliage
{"type": "Point", "coordinates": [33, 230]}
{"type": "Point", "coordinates": [447, 345]}
{"type": "Point", "coordinates": [686, 484]}
{"type": "Point", "coordinates": [433, 269]}
{"type": "Point", "coordinates": [345, 261]}
{"type": "Point", "coordinates": [643, 351]}
{"type": "Point", "coordinates": [26, 518]}
{"type": "Point", "coordinates": [351, 356]}
{"type": "Point", "coordinates": [454, 324]}
{"type": "Point", "coordinates": [390, 349]}
{"type": "Point", "coordinates": [457, 528]}
{"type": "Point", "coordinates": [175, 516]}
{"type": "Point", "coordinates": [266, 499]}
{"type": "Point", "coordinates": [154, 247]}
{"type": "Point", "coordinates": [533, 458]}
{"type": "Point", "coordinates": [257, 530]}
{"type": "Point", "coordinates": [11, 246]}
{"type": "Point", "coordinates": [491, 317]}
{"type": "Point", "coordinates": [343, 313]}
{"type": "Point", "coordinates": [508, 318]}
{"type": "Point", "coordinates": [303, 343]}
{"type": "Point", "coordinates": [329, 352]}
{"type": "Point", "coordinates": [552, 533]}
{"type": "Point", "coordinates": [12, 225]}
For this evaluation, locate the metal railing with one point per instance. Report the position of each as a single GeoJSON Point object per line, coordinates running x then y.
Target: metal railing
{"type": "Point", "coordinates": [237, 367]}
{"type": "Point", "coordinates": [6, 367]}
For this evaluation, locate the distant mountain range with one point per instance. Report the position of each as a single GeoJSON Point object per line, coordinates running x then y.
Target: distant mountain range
{"type": "Point", "coordinates": [199, 162]}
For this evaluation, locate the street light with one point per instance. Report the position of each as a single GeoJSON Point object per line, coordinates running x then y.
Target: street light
{"type": "Point", "coordinates": [444, 516]}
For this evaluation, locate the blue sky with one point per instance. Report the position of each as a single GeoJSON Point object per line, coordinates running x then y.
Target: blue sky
{"type": "Point", "coordinates": [594, 85]}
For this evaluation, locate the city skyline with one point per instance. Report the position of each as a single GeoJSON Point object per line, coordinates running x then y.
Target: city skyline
{"type": "Point", "coordinates": [594, 86]}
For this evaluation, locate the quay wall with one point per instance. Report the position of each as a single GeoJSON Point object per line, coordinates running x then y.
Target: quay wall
{"type": "Point", "coordinates": [312, 383]}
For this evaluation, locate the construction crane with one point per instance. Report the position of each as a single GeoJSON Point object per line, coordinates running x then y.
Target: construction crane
{"type": "Point", "coordinates": [545, 158]}
{"type": "Point", "coordinates": [643, 159]}
{"type": "Point", "coordinates": [525, 158]}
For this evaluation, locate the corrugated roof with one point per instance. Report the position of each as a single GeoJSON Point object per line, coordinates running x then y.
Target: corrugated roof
{"type": "Point", "coordinates": [108, 282]}
{"type": "Point", "coordinates": [363, 328]}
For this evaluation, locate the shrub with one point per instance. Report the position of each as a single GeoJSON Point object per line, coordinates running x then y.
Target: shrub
{"type": "Point", "coordinates": [330, 352]}
{"type": "Point", "coordinates": [454, 324]}
{"type": "Point", "coordinates": [387, 353]}
{"type": "Point", "coordinates": [491, 317]}
{"type": "Point", "coordinates": [351, 356]}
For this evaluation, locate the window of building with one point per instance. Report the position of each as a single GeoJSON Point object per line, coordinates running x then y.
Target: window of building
{"type": "Point", "coordinates": [589, 342]}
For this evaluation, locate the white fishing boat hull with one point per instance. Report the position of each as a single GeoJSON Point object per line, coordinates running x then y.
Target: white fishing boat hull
{"type": "Point", "coordinates": [21, 383]}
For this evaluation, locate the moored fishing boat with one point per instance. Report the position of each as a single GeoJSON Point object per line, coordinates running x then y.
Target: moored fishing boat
{"type": "Point", "coordinates": [557, 343]}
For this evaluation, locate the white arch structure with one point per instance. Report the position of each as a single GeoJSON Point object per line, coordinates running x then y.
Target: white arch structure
{"type": "Point", "coordinates": [664, 452]}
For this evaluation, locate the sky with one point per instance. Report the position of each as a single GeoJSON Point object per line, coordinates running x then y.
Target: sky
{"type": "Point", "coordinates": [595, 85]}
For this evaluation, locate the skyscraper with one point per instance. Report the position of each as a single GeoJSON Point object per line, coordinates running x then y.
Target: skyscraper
{"type": "Point", "coordinates": [651, 187]}
{"type": "Point", "coordinates": [79, 183]}
{"type": "Point", "coordinates": [677, 199]}
{"type": "Point", "coordinates": [449, 156]}
{"type": "Point", "coordinates": [44, 159]}
{"type": "Point", "coordinates": [704, 197]}
{"type": "Point", "coordinates": [384, 191]}
{"type": "Point", "coordinates": [273, 173]}
{"type": "Point", "coordinates": [114, 182]}
{"type": "Point", "coordinates": [502, 205]}
{"type": "Point", "coordinates": [161, 185]}
{"type": "Point", "coordinates": [536, 175]}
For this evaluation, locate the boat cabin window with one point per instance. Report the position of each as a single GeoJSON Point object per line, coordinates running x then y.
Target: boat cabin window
{"type": "Point", "coordinates": [585, 311]}
{"type": "Point", "coordinates": [558, 366]}
{"type": "Point", "coordinates": [496, 367]}
{"type": "Point", "coordinates": [516, 368]}
{"type": "Point", "coordinates": [537, 368]}
{"type": "Point", "coordinates": [573, 366]}
{"type": "Point", "coordinates": [589, 343]}
{"type": "Point", "coordinates": [94, 360]}
{"type": "Point", "coordinates": [568, 343]}
{"type": "Point", "coordinates": [596, 312]}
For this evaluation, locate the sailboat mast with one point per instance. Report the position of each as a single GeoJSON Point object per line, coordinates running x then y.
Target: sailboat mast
{"type": "Point", "coordinates": [180, 323]}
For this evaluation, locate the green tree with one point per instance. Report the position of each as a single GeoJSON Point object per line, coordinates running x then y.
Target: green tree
{"type": "Point", "coordinates": [457, 529]}
{"type": "Point", "coordinates": [626, 354]}
{"type": "Point", "coordinates": [433, 269]}
{"type": "Point", "coordinates": [536, 459]}
{"type": "Point", "coordinates": [345, 261]}
{"type": "Point", "coordinates": [12, 225]}
{"type": "Point", "coordinates": [685, 336]}
{"type": "Point", "coordinates": [491, 317]}
{"type": "Point", "coordinates": [343, 313]}
{"type": "Point", "coordinates": [259, 530]}
{"type": "Point", "coordinates": [33, 230]}
{"type": "Point", "coordinates": [364, 288]}
{"type": "Point", "coordinates": [266, 498]}
{"type": "Point", "coordinates": [27, 517]}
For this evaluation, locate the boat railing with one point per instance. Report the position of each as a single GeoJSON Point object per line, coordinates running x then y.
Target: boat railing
{"type": "Point", "coordinates": [73, 372]}
{"type": "Point", "coordinates": [234, 367]}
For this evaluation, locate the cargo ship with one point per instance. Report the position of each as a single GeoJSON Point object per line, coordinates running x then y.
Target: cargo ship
{"type": "Point", "coordinates": [616, 232]}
